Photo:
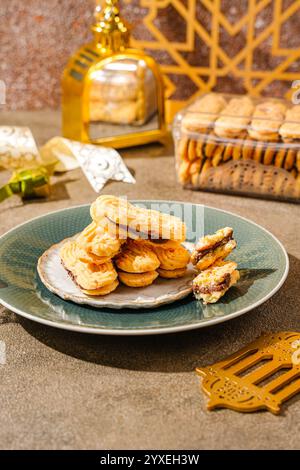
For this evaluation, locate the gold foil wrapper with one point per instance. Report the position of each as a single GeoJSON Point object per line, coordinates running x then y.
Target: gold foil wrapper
{"type": "Point", "coordinates": [33, 167]}
{"type": "Point", "coordinates": [99, 164]}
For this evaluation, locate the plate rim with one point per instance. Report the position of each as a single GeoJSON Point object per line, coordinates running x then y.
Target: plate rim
{"type": "Point", "coordinates": [160, 330]}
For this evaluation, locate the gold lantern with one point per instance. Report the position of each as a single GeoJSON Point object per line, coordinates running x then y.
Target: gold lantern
{"type": "Point", "coordinates": [112, 94]}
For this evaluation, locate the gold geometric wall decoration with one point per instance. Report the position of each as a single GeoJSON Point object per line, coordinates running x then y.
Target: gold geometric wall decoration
{"type": "Point", "coordinates": [245, 46]}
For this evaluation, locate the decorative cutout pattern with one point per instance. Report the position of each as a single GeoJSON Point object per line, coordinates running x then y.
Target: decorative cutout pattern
{"type": "Point", "coordinates": [215, 41]}
{"type": "Point", "coordinates": [262, 375]}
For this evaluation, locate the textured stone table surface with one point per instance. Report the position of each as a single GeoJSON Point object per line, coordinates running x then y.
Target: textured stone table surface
{"type": "Point", "coordinates": [67, 390]}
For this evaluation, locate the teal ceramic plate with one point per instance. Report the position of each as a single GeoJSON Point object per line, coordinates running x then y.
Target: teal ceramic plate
{"type": "Point", "coordinates": [262, 261]}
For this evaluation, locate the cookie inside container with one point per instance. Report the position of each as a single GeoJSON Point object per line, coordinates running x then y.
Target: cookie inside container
{"type": "Point", "coordinates": [239, 144]}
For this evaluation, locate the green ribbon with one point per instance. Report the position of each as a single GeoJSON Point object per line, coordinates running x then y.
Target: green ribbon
{"type": "Point", "coordinates": [27, 184]}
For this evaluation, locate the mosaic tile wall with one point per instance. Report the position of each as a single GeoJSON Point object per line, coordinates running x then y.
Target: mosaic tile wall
{"type": "Point", "coordinates": [229, 45]}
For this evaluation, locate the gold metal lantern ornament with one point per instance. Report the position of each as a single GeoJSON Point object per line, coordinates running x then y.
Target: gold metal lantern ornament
{"type": "Point", "coordinates": [112, 94]}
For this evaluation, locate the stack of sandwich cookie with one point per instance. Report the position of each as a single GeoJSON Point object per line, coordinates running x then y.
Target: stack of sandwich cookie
{"type": "Point", "coordinates": [216, 275]}
{"type": "Point", "coordinates": [125, 243]}
{"type": "Point", "coordinates": [154, 241]}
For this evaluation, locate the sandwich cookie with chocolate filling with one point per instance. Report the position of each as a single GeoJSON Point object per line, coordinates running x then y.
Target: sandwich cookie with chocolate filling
{"type": "Point", "coordinates": [102, 290]}
{"type": "Point", "coordinates": [267, 118]}
{"type": "Point", "coordinates": [124, 234]}
{"type": "Point", "coordinates": [211, 248]}
{"type": "Point", "coordinates": [145, 223]}
{"type": "Point", "coordinates": [88, 276]}
{"type": "Point", "coordinates": [171, 273]}
{"type": "Point", "coordinates": [97, 240]}
{"type": "Point", "coordinates": [290, 129]}
{"type": "Point", "coordinates": [202, 114]}
{"type": "Point", "coordinates": [210, 285]}
{"type": "Point", "coordinates": [173, 261]}
{"type": "Point", "coordinates": [137, 280]}
{"type": "Point", "coordinates": [136, 257]}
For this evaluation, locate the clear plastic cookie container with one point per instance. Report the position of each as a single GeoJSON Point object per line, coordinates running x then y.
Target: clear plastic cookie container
{"type": "Point", "coordinates": [238, 144]}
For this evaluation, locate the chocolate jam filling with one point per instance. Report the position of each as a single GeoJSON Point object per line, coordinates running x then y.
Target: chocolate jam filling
{"type": "Point", "coordinates": [213, 287]}
{"type": "Point", "coordinates": [142, 235]}
{"type": "Point", "coordinates": [71, 275]}
{"type": "Point", "coordinates": [203, 253]}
